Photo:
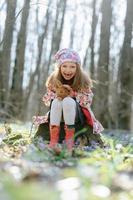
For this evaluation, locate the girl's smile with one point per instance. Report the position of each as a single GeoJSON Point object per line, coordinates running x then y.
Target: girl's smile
{"type": "Point", "coordinates": [68, 70]}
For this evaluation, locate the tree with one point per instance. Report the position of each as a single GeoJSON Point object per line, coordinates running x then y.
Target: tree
{"type": "Point", "coordinates": [39, 72]}
{"type": "Point", "coordinates": [73, 28]}
{"type": "Point", "coordinates": [126, 72]}
{"type": "Point", "coordinates": [92, 41]}
{"type": "Point", "coordinates": [58, 28]}
{"type": "Point", "coordinates": [5, 54]}
{"type": "Point", "coordinates": [102, 90]}
{"type": "Point", "coordinates": [18, 72]}
{"type": "Point", "coordinates": [94, 23]}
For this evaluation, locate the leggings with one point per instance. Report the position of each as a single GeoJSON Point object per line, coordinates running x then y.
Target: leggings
{"type": "Point", "coordinates": [67, 106]}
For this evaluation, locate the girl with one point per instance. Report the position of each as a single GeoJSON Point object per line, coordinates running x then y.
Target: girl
{"type": "Point", "coordinates": [69, 72]}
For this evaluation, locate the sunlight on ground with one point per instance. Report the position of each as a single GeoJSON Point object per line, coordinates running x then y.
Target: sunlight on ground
{"type": "Point", "coordinates": [31, 171]}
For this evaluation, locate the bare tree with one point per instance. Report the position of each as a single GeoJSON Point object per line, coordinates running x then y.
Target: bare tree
{"type": "Point", "coordinates": [5, 54]}
{"type": "Point", "coordinates": [92, 42]}
{"type": "Point", "coordinates": [73, 27]}
{"type": "Point", "coordinates": [126, 72]}
{"type": "Point", "coordinates": [58, 28]}
{"type": "Point", "coordinates": [18, 72]}
{"type": "Point", "coordinates": [39, 73]}
{"type": "Point", "coordinates": [102, 90]}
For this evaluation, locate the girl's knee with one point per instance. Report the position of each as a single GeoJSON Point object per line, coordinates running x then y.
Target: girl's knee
{"type": "Point", "coordinates": [56, 104]}
{"type": "Point", "coordinates": [69, 103]}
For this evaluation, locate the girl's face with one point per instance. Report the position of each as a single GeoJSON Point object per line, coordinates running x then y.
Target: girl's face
{"type": "Point", "coordinates": [68, 70]}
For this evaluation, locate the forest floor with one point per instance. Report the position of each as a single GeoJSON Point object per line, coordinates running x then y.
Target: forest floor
{"type": "Point", "coordinates": [29, 171]}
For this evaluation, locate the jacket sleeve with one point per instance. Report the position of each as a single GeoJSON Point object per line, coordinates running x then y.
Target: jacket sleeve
{"type": "Point", "coordinates": [85, 98]}
{"type": "Point", "coordinates": [48, 97]}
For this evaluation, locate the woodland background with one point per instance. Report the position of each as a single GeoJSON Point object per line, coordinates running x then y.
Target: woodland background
{"type": "Point", "coordinates": [100, 30]}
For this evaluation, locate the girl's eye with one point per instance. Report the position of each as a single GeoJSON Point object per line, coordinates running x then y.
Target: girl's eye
{"type": "Point", "coordinates": [73, 66]}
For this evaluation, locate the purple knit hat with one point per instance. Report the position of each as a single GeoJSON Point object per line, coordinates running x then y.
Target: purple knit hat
{"type": "Point", "coordinates": [67, 55]}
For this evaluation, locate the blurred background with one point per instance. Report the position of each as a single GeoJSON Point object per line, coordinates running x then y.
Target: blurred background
{"type": "Point", "coordinates": [101, 31]}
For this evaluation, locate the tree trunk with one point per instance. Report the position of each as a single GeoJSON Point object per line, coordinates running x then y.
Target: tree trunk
{"type": "Point", "coordinates": [58, 28]}
{"type": "Point", "coordinates": [102, 89]}
{"type": "Point", "coordinates": [126, 72]}
{"type": "Point", "coordinates": [37, 72]}
{"type": "Point", "coordinates": [73, 28]}
{"type": "Point", "coordinates": [5, 54]}
{"type": "Point", "coordinates": [18, 73]}
{"type": "Point", "coordinates": [92, 42]}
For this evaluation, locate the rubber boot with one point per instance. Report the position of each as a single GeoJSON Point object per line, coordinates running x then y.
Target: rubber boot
{"type": "Point", "coordinates": [54, 135]}
{"type": "Point", "coordinates": [69, 136]}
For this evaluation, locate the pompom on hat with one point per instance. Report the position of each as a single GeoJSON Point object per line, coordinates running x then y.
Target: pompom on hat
{"type": "Point", "coordinates": [67, 55]}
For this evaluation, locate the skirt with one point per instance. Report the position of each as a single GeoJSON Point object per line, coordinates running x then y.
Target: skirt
{"type": "Point", "coordinates": [83, 131]}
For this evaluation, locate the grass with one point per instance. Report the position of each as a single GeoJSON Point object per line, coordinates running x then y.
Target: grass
{"type": "Point", "coordinates": [30, 171]}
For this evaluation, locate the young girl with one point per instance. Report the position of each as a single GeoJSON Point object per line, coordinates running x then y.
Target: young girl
{"type": "Point", "coordinates": [69, 72]}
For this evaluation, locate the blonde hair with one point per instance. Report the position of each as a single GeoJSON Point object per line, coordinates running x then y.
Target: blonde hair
{"type": "Point", "coordinates": [81, 80]}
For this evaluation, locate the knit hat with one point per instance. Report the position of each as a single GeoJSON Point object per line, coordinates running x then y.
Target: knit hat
{"type": "Point", "coordinates": [67, 55]}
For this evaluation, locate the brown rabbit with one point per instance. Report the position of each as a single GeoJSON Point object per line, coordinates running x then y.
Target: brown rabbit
{"type": "Point", "coordinates": [61, 90]}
